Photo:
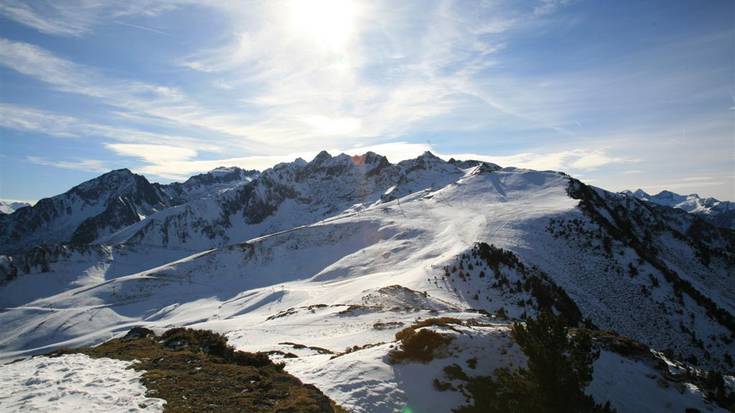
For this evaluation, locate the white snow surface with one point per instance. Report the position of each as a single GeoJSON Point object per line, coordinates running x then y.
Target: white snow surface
{"type": "Point", "coordinates": [633, 386]}
{"type": "Point", "coordinates": [74, 383]}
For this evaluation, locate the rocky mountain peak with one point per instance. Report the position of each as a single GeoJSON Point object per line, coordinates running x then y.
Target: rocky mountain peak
{"type": "Point", "coordinates": [639, 193]}
{"type": "Point", "coordinates": [320, 158]}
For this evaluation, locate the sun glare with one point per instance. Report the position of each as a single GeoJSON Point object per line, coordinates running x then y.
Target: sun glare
{"type": "Point", "coordinates": [328, 23]}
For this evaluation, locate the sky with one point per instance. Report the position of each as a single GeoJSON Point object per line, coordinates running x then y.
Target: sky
{"type": "Point", "coordinates": [621, 94]}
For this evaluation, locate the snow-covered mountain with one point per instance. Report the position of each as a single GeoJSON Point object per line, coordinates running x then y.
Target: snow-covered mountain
{"type": "Point", "coordinates": [286, 196]}
{"type": "Point", "coordinates": [720, 213]}
{"type": "Point", "coordinates": [103, 205]}
{"type": "Point", "coordinates": [322, 262]}
{"type": "Point", "coordinates": [8, 207]}
{"type": "Point", "coordinates": [207, 184]}
{"type": "Point", "coordinates": [82, 214]}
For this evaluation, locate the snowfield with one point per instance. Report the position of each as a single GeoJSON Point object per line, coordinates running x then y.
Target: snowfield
{"type": "Point", "coordinates": [74, 383]}
{"type": "Point", "coordinates": [336, 270]}
{"type": "Point", "coordinates": [633, 386]}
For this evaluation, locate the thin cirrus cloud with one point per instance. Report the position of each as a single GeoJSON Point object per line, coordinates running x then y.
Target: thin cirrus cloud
{"type": "Point", "coordinates": [65, 22]}
{"type": "Point", "coordinates": [566, 160]}
{"type": "Point", "coordinates": [272, 125]}
{"type": "Point", "coordinates": [286, 110]}
{"type": "Point", "coordinates": [67, 76]}
{"type": "Point", "coordinates": [132, 96]}
{"type": "Point", "coordinates": [311, 86]}
{"type": "Point", "coordinates": [179, 163]}
{"type": "Point", "coordinates": [89, 165]}
{"type": "Point", "coordinates": [76, 18]}
{"type": "Point", "coordinates": [29, 119]}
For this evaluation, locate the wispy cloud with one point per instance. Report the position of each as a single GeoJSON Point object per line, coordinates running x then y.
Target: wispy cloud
{"type": "Point", "coordinates": [27, 119]}
{"type": "Point", "coordinates": [77, 17]}
{"type": "Point", "coordinates": [178, 164]}
{"type": "Point", "coordinates": [70, 77]}
{"type": "Point", "coordinates": [88, 165]}
{"type": "Point", "coordinates": [49, 21]}
{"type": "Point", "coordinates": [547, 7]}
{"type": "Point", "coordinates": [566, 160]}
{"type": "Point", "coordinates": [335, 71]}
{"type": "Point", "coordinates": [377, 81]}
{"type": "Point", "coordinates": [141, 27]}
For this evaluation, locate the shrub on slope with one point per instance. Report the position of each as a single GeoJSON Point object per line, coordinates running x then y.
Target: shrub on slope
{"type": "Point", "coordinates": [417, 343]}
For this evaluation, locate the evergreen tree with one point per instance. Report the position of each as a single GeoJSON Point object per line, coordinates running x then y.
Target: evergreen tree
{"type": "Point", "coordinates": [559, 368]}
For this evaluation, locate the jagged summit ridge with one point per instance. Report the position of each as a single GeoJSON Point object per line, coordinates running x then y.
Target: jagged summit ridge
{"type": "Point", "coordinates": [291, 194]}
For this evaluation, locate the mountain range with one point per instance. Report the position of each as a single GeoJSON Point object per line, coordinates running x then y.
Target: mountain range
{"type": "Point", "coordinates": [321, 263]}
{"type": "Point", "coordinates": [719, 213]}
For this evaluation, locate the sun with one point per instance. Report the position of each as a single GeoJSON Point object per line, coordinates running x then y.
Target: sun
{"type": "Point", "coordinates": [328, 24]}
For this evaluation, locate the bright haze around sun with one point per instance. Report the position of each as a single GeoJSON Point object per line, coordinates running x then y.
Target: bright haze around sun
{"type": "Point", "coordinates": [621, 95]}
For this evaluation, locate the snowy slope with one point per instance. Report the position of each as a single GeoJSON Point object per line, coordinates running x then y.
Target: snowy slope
{"type": "Point", "coordinates": [74, 382]}
{"type": "Point", "coordinates": [342, 252]}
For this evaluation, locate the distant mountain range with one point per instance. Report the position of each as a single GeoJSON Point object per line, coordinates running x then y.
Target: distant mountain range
{"type": "Point", "coordinates": [720, 213]}
{"type": "Point", "coordinates": [8, 207]}
{"type": "Point", "coordinates": [321, 263]}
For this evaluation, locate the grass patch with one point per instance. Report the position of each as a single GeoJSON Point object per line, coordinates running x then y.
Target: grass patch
{"type": "Point", "coordinates": [420, 344]}
{"type": "Point", "coordinates": [617, 343]}
{"type": "Point", "coordinates": [320, 350]}
{"type": "Point", "coordinates": [197, 371]}
{"type": "Point", "coordinates": [387, 325]}
{"type": "Point", "coordinates": [353, 349]}
{"type": "Point", "coordinates": [438, 322]}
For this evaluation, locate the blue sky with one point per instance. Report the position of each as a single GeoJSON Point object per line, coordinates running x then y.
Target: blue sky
{"type": "Point", "coordinates": [622, 94]}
